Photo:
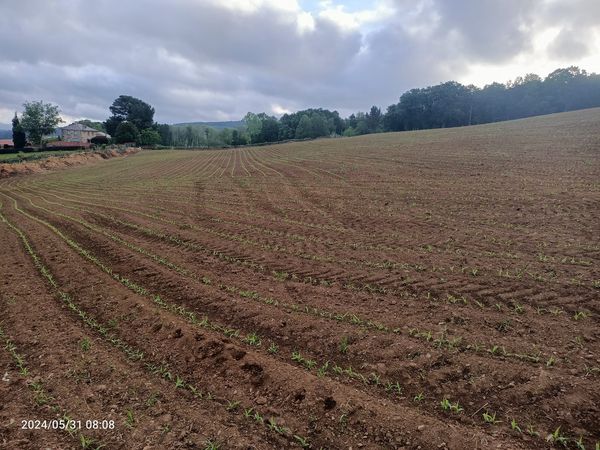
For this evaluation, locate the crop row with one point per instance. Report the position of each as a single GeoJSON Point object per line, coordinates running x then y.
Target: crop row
{"type": "Point", "coordinates": [133, 353]}
{"type": "Point", "coordinates": [255, 340]}
{"type": "Point", "coordinates": [455, 343]}
{"type": "Point", "coordinates": [372, 288]}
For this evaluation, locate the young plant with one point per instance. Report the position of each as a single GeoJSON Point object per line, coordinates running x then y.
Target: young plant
{"type": "Point", "coordinates": [232, 406]}
{"type": "Point", "coordinates": [85, 344]}
{"type": "Point", "coordinates": [557, 438]}
{"type": "Point", "coordinates": [302, 441]}
{"type": "Point", "coordinates": [211, 445]}
{"type": "Point", "coordinates": [344, 345]}
{"type": "Point", "coordinates": [490, 418]}
{"type": "Point", "coordinates": [130, 419]}
{"type": "Point", "coordinates": [253, 339]}
{"type": "Point", "coordinates": [515, 426]}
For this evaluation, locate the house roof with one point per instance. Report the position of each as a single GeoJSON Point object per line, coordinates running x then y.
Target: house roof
{"type": "Point", "coordinates": [6, 142]}
{"type": "Point", "coordinates": [79, 127]}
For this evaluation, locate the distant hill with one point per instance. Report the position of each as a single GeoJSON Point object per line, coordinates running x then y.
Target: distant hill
{"type": "Point", "coordinates": [5, 131]}
{"type": "Point", "coordinates": [217, 125]}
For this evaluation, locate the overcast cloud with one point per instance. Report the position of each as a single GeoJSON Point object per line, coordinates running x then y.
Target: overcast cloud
{"type": "Point", "coordinates": [217, 60]}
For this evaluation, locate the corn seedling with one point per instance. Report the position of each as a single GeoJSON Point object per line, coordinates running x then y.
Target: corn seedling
{"type": "Point", "coordinates": [253, 339]}
{"type": "Point", "coordinates": [344, 345]}
{"type": "Point", "coordinates": [419, 397]}
{"type": "Point", "coordinates": [557, 437]}
{"type": "Point", "coordinates": [85, 344]}
{"type": "Point", "coordinates": [179, 382]}
{"type": "Point", "coordinates": [515, 426]}
{"type": "Point", "coordinates": [273, 348]}
{"type": "Point", "coordinates": [232, 405]}
{"type": "Point", "coordinates": [445, 404]}
{"type": "Point", "coordinates": [86, 441]}
{"type": "Point", "coordinates": [211, 445]}
{"type": "Point", "coordinates": [490, 418]}
{"type": "Point", "coordinates": [151, 401]}
{"type": "Point", "coordinates": [323, 369]}
{"type": "Point", "coordinates": [302, 441]}
{"type": "Point", "coordinates": [273, 426]}
{"type": "Point", "coordinates": [130, 419]}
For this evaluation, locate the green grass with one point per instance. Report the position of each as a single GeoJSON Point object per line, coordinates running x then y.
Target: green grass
{"type": "Point", "coordinates": [18, 157]}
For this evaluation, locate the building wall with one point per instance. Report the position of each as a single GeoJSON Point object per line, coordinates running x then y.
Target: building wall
{"type": "Point", "coordinates": [71, 136]}
{"type": "Point", "coordinates": [78, 136]}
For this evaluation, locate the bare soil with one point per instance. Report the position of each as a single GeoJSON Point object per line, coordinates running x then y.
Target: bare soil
{"type": "Point", "coordinates": [420, 290]}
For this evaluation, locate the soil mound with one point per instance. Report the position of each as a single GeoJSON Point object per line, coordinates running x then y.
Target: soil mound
{"type": "Point", "coordinates": [57, 162]}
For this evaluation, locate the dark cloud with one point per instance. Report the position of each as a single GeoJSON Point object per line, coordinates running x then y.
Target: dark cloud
{"type": "Point", "coordinates": [201, 60]}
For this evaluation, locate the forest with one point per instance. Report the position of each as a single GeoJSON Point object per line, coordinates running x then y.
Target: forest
{"type": "Point", "coordinates": [445, 105]}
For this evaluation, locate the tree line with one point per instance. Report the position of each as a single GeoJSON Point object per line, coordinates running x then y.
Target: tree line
{"type": "Point", "coordinates": [444, 105]}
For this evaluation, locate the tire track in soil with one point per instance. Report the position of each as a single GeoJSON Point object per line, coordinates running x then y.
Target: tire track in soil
{"type": "Point", "coordinates": [310, 387]}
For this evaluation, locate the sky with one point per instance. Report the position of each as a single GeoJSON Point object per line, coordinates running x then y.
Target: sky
{"type": "Point", "coordinates": [213, 60]}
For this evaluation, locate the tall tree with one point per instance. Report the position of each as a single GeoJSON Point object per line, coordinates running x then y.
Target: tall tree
{"type": "Point", "coordinates": [130, 109]}
{"type": "Point", "coordinates": [304, 128]}
{"type": "Point", "coordinates": [19, 137]}
{"type": "Point", "coordinates": [373, 119]}
{"type": "Point", "coordinates": [39, 119]}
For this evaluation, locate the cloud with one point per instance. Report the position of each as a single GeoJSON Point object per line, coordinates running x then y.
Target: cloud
{"type": "Point", "coordinates": [208, 59]}
{"type": "Point", "coordinates": [568, 45]}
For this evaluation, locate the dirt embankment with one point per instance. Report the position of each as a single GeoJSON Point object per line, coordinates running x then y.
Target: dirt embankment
{"type": "Point", "coordinates": [57, 162]}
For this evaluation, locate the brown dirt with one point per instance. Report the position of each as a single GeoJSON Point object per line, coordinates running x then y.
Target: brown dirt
{"type": "Point", "coordinates": [59, 162]}
{"type": "Point", "coordinates": [451, 264]}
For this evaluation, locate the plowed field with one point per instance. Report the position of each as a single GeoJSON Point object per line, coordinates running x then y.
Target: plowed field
{"type": "Point", "coordinates": [435, 289]}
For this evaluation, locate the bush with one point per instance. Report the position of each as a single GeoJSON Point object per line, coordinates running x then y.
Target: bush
{"type": "Point", "coordinates": [127, 132]}
{"type": "Point", "coordinates": [99, 140]}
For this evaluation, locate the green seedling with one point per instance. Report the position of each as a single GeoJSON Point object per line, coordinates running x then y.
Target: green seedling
{"type": "Point", "coordinates": [152, 400]}
{"type": "Point", "coordinates": [579, 443]}
{"type": "Point", "coordinates": [302, 441]}
{"type": "Point", "coordinates": [85, 344]}
{"type": "Point", "coordinates": [232, 405]}
{"type": "Point", "coordinates": [579, 315]}
{"type": "Point", "coordinates": [86, 441]}
{"type": "Point", "coordinates": [551, 361]}
{"type": "Point", "coordinates": [557, 438]}
{"type": "Point", "coordinates": [344, 345]}
{"type": "Point", "coordinates": [445, 404]}
{"type": "Point", "coordinates": [323, 369]}
{"type": "Point", "coordinates": [253, 339]}
{"type": "Point", "coordinates": [258, 418]}
{"type": "Point", "coordinates": [273, 426]}
{"type": "Point", "coordinates": [211, 445]}
{"type": "Point", "coordinates": [419, 397]}
{"type": "Point", "coordinates": [130, 419]}
{"type": "Point", "coordinates": [273, 348]}
{"type": "Point", "coordinates": [515, 426]}
{"type": "Point", "coordinates": [490, 418]}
